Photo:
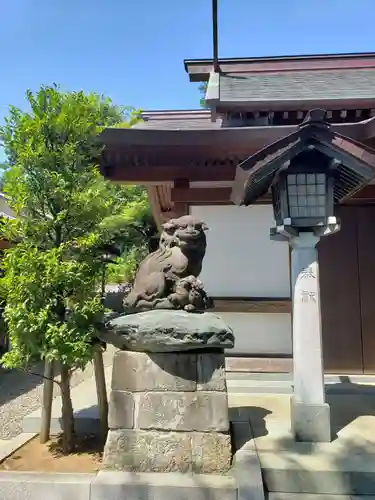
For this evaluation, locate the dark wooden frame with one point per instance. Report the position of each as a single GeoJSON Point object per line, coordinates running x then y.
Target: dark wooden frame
{"type": "Point", "coordinates": [253, 305]}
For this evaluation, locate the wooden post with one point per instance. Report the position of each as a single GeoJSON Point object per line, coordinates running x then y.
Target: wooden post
{"type": "Point", "coordinates": [101, 390]}
{"type": "Point", "coordinates": [45, 425]}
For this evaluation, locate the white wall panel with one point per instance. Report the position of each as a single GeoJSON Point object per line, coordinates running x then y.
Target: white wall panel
{"type": "Point", "coordinates": [260, 333]}
{"type": "Point", "coordinates": [241, 260]}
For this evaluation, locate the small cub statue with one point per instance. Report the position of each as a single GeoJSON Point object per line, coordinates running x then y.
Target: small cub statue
{"type": "Point", "coordinates": [168, 277]}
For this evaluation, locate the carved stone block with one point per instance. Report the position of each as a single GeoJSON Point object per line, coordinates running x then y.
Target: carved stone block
{"type": "Point", "coordinates": [183, 411]}
{"type": "Point", "coordinates": [148, 451]}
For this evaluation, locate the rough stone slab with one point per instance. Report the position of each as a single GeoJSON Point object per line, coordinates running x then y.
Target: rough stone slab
{"type": "Point", "coordinates": [189, 411]}
{"type": "Point", "coordinates": [121, 410]}
{"type": "Point", "coordinates": [311, 423]}
{"type": "Point", "coordinates": [153, 451]}
{"type": "Point", "coordinates": [9, 446]}
{"type": "Point", "coordinates": [142, 451]}
{"type": "Point", "coordinates": [211, 452]}
{"type": "Point", "coordinates": [168, 331]}
{"type": "Point", "coordinates": [211, 372]}
{"type": "Point", "coordinates": [138, 371]}
{"type": "Point", "coordinates": [110, 485]}
{"type": "Point", "coordinates": [51, 486]}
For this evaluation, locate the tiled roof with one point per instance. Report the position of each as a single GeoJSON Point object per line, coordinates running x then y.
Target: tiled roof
{"type": "Point", "coordinates": [178, 120]}
{"type": "Point", "coordinates": [299, 85]}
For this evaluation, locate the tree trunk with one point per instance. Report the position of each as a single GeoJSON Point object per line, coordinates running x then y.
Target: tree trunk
{"type": "Point", "coordinates": [101, 390]}
{"type": "Point", "coordinates": [67, 411]}
{"type": "Point", "coordinates": [45, 426]}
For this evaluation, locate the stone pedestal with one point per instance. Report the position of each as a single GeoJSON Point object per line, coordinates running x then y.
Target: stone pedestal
{"type": "Point", "coordinates": [310, 412]}
{"type": "Point", "coordinates": [168, 412]}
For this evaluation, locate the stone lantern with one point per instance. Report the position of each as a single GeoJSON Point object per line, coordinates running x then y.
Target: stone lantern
{"type": "Point", "coordinates": [307, 173]}
{"type": "Point", "coordinates": [302, 195]}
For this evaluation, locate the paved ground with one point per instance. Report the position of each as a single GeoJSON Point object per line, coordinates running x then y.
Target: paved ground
{"type": "Point", "coordinates": [21, 394]}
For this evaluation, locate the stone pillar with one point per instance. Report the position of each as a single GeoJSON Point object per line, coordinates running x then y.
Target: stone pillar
{"type": "Point", "coordinates": [168, 412]}
{"type": "Point", "coordinates": [310, 413]}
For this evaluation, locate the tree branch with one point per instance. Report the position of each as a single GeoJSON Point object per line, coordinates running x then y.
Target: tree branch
{"type": "Point", "coordinates": [41, 376]}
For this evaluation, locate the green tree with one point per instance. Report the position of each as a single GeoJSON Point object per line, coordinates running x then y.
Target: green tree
{"type": "Point", "coordinates": [67, 214]}
{"type": "Point", "coordinates": [203, 89]}
{"type": "Point", "coordinates": [3, 169]}
{"type": "Point", "coordinates": [136, 236]}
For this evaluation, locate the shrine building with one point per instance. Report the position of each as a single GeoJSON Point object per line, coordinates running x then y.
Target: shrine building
{"type": "Point", "coordinates": [189, 161]}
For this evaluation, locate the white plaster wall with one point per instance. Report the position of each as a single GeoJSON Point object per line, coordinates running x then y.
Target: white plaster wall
{"type": "Point", "coordinates": [260, 333]}
{"type": "Point", "coordinates": [241, 260]}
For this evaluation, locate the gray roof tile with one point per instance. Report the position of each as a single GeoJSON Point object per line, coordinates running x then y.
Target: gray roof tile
{"type": "Point", "coordinates": [298, 85]}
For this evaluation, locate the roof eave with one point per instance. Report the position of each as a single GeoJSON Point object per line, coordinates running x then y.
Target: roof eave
{"type": "Point", "coordinates": [199, 69]}
{"type": "Point", "coordinates": [121, 137]}
{"type": "Point", "coordinates": [291, 104]}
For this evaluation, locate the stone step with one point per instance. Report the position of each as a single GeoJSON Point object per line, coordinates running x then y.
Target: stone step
{"type": "Point", "coordinates": [318, 473]}
{"type": "Point", "coordinates": [273, 386]}
{"type": "Point", "coordinates": [345, 466]}
{"type": "Point", "coordinates": [287, 377]}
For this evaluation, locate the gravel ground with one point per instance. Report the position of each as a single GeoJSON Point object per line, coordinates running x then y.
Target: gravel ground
{"type": "Point", "coordinates": [21, 394]}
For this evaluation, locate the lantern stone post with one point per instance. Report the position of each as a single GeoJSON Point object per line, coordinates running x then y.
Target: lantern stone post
{"type": "Point", "coordinates": [310, 414]}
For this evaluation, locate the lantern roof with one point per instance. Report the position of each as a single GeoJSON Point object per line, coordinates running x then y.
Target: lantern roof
{"type": "Point", "coordinates": [354, 162]}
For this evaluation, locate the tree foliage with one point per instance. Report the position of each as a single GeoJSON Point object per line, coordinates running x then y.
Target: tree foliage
{"type": "Point", "coordinates": [203, 89]}
{"type": "Point", "coordinates": [68, 217]}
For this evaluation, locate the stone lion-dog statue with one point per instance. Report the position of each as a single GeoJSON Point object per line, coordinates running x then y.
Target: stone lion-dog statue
{"type": "Point", "coordinates": [168, 277]}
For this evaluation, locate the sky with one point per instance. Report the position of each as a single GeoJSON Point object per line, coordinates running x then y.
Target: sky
{"type": "Point", "coordinates": [133, 50]}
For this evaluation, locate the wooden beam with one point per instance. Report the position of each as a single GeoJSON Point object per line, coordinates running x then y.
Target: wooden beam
{"type": "Point", "coordinates": [253, 305]}
{"type": "Point", "coordinates": [365, 195]}
{"type": "Point", "coordinates": [263, 200]}
{"type": "Point", "coordinates": [200, 195]}
{"type": "Point", "coordinates": [167, 174]}
{"type": "Point", "coordinates": [155, 205]}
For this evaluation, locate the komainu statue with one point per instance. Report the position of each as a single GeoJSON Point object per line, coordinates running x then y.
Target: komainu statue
{"type": "Point", "coordinates": [168, 277]}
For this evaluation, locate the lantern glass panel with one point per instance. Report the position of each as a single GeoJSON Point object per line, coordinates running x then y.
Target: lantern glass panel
{"type": "Point", "coordinates": [307, 195]}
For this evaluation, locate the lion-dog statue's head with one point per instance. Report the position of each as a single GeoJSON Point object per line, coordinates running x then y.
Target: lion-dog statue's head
{"type": "Point", "coordinates": [186, 232]}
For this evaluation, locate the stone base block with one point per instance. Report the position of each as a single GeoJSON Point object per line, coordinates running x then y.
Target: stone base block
{"type": "Point", "coordinates": [157, 451]}
{"type": "Point", "coordinates": [178, 372]}
{"type": "Point", "coordinates": [168, 412]}
{"type": "Point", "coordinates": [311, 423]}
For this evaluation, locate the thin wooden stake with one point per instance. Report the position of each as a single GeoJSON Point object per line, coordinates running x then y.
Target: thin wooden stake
{"type": "Point", "coordinates": [101, 390]}
{"type": "Point", "coordinates": [45, 425]}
